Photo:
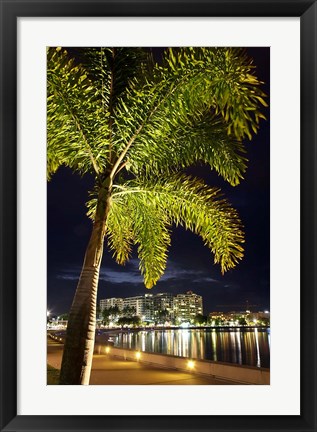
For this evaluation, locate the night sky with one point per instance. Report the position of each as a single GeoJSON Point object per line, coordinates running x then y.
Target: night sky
{"type": "Point", "coordinates": [190, 264]}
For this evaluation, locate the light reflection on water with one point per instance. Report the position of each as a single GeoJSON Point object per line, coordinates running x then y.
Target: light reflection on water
{"type": "Point", "coordinates": [247, 347]}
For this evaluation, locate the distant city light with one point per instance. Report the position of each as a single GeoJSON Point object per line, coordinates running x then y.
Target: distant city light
{"type": "Point", "coordinates": [107, 350]}
{"type": "Point", "coordinates": [48, 313]}
{"type": "Point", "coordinates": [138, 355]}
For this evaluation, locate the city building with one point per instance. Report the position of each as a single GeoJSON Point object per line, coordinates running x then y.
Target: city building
{"type": "Point", "coordinates": [148, 311]}
{"type": "Point", "coordinates": [187, 306]}
{"type": "Point", "coordinates": [181, 308]}
{"type": "Point", "coordinates": [159, 307]}
{"type": "Point", "coordinates": [111, 302]}
{"type": "Point", "coordinates": [137, 302]}
{"type": "Point", "coordinates": [233, 318]}
{"type": "Point", "coordinates": [164, 302]}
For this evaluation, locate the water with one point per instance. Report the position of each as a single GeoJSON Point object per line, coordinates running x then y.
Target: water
{"type": "Point", "coordinates": [241, 346]}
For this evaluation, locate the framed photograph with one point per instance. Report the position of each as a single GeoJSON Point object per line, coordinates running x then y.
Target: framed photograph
{"type": "Point", "coordinates": [207, 337]}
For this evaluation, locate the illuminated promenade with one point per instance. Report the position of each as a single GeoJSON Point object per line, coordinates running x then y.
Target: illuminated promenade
{"type": "Point", "coordinates": [112, 371]}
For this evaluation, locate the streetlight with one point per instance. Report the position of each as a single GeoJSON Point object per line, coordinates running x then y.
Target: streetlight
{"type": "Point", "coordinates": [191, 364]}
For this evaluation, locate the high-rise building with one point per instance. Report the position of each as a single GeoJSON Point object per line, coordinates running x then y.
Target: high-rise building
{"type": "Point", "coordinates": [148, 311]}
{"type": "Point", "coordinates": [111, 302]}
{"type": "Point", "coordinates": [137, 302]}
{"type": "Point", "coordinates": [148, 307]}
{"type": "Point", "coordinates": [187, 306]}
{"type": "Point", "coordinates": [164, 302]}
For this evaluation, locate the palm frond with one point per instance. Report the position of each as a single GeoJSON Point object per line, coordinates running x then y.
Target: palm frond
{"type": "Point", "coordinates": [77, 128]}
{"type": "Point", "coordinates": [190, 83]}
{"type": "Point", "coordinates": [152, 237]}
{"type": "Point", "coordinates": [120, 234]}
{"type": "Point", "coordinates": [189, 202]}
{"type": "Point", "coordinates": [133, 220]}
{"type": "Point", "coordinates": [143, 212]}
{"type": "Point", "coordinates": [113, 69]}
{"type": "Point", "coordinates": [205, 141]}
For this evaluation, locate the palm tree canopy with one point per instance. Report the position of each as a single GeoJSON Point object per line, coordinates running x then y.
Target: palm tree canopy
{"type": "Point", "coordinates": [138, 124]}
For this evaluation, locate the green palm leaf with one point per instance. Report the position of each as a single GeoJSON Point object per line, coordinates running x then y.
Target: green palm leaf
{"type": "Point", "coordinates": [120, 233]}
{"type": "Point", "coordinates": [143, 212]}
{"type": "Point", "coordinates": [112, 69]}
{"type": "Point", "coordinates": [77, 128]}
{"type": "Point", "coordinates": [206, 141]}
{"type": "Point", "coordinates": [193, 90]}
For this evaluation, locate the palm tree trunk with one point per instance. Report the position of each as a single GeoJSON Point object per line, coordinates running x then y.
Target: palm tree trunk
{"type": "Point", "coordinates": [80, 337]}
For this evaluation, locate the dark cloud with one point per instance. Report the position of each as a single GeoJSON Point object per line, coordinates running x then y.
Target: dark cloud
{"type": "Point", "coordinates": [130, 274]}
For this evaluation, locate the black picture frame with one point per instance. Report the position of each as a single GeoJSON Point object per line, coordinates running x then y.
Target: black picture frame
{"type": "Point", "coordinates": [10, 11]}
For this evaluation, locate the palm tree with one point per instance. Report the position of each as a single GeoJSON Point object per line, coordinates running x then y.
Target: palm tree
{"type": "Point", "coordinates": [136, 125]}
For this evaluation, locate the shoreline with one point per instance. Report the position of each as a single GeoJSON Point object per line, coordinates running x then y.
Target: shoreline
{"type": "Point", "coordinates": [104, 341]}
{"type": "Point", "coordinates": [164, 328]}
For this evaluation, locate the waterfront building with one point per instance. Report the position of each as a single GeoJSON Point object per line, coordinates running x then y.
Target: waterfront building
{"type": "Point", "coordinates": [165, 302]}
{"type": "Point", "coordinates": [187, 306]}
{"type": "Point", "coordinates": [137, 302]}
{"type": "Point", "coordinates": [111, 302]}
{"type": "Point", "coordinates": [148, 309]}
{"type": "Point", "coordinates": [240, 318]}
